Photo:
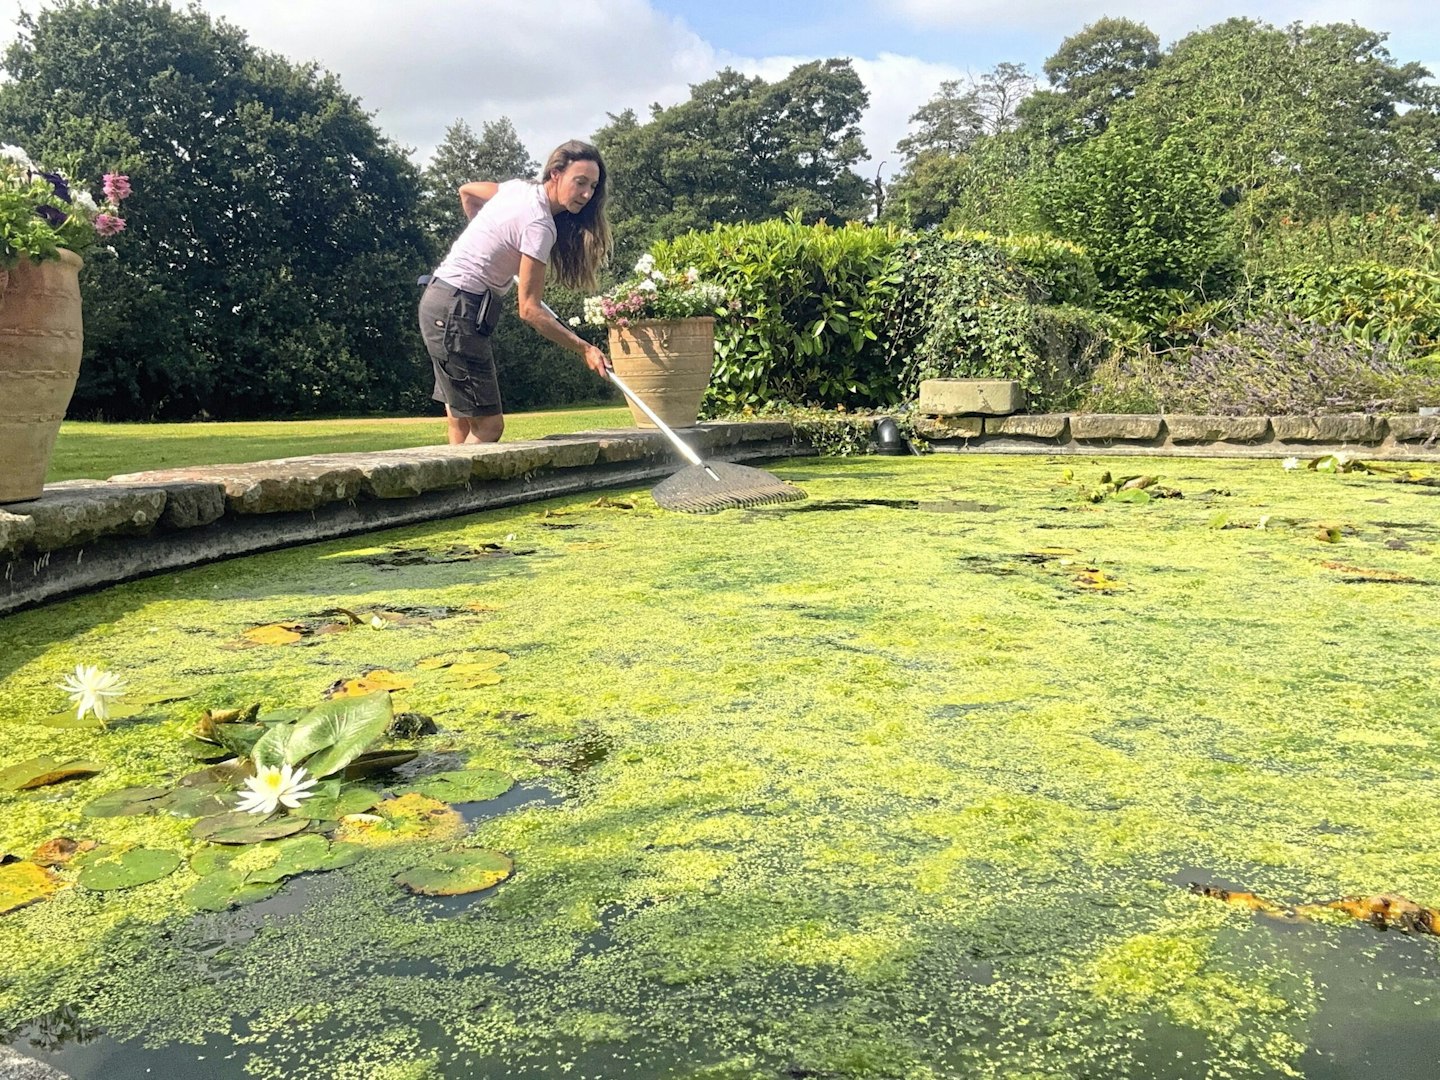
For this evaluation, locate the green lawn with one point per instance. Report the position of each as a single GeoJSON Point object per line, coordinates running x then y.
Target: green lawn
{"type": "Point", "coordinates": [97, 451]}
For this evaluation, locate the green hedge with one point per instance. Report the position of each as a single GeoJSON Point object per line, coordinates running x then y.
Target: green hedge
{"type": "Point", "coordinates": [808, 307]}
{"type": "Point", "coordinates": [854, 317]}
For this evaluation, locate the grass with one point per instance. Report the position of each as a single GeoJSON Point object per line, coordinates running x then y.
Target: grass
{"type": "Point", "coordinates": [904, 781]}
{"type": "Point", "coordinates": [97, 450]}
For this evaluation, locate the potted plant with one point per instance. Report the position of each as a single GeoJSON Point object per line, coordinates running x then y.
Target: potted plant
{"type": "Point", "coordinates": [662, 338]}
{"type": "Point", "coordinates": [45, 224]}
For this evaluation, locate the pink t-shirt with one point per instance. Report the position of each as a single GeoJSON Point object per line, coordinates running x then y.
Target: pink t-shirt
{"type": "Point", "coordinates": [516, 221]}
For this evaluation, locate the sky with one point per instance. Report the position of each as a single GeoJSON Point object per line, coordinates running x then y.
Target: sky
{"type": "Point", "coordinates": [557, 68]}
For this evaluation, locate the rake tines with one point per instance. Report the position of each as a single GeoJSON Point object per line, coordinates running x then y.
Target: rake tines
{"type": "Point", "coordinates": [720, 485]}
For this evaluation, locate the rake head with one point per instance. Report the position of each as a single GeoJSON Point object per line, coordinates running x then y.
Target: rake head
{"type": "Point", "coordinates": [721, 485]}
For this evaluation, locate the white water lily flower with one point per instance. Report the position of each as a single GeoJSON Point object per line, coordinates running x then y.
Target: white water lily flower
{"type": "Point", "coordinates": [377, 623]}
{"type": "Point", "coordinates": [91, 690]}
{"type": "Point", "coordinates": [1290, 463]}
{"type": "Point", "coordinates": [272, 786]}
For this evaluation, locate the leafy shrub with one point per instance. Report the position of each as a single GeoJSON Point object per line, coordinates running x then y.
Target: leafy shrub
{"type": "Point", "coordinates": [1272, 365]}
{"type": "Point", "coordinates": [836, 432]}
{"type": "Point", "coordinates": [1143, 209]}
{"type": "Point", "coordinates": [967, 309]}
{"type": "Point", "coordinates": [1395, 236]}
{"type": "Point", "coordinates": [1394, 307]}
{"type": "Point", "coordinates": [808, 308]}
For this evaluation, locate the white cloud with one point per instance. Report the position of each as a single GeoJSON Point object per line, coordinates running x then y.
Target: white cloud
{"type": "Point", "coordinates": [555, 70]}
{"type": "Point", "coordinates": [1060, 18]}
{"type": "Point", "coordinates": [555, 78]}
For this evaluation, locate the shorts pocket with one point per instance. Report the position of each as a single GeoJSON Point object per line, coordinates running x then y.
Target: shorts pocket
{"type": "Point", "coordinates": [468, 327]}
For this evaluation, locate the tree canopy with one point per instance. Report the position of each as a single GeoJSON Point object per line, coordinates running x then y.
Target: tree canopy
{"type": "Point", "coordinates": [273, 239]}
{"type": "Point", "coordinates": [740, 149]}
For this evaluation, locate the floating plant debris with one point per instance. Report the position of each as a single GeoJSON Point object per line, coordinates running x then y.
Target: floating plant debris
{"type": "Point", "coordinates": [394, 558]}
{"type": "Point", "coordinates": [1383, 911]}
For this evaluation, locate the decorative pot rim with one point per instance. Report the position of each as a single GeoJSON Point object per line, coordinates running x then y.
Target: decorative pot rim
{"type": "Point", "coordinates": [656, 322]}
{"type": "Point", "coordinates": [65, 256]}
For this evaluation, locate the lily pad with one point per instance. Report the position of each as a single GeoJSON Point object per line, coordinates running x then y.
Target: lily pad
{"type": "Point", "coordinates": [226, 889]}
{"type": "Point", "coordinates": [453, 873]}
{"type": "Point", "coordinates": [24, 883]}
{"type": "Point", "coordinates": [241, 827]}
{"type": "Point", "coordinates": [68, 721]}
{"type": "Point", "coordinates": [41, 771]}
{"type": "Point", "coordinates": [334, 804]}
{"type": "Point", "coordinates": [61, 850]}
{"type": "Point", "coordinates": [127, 802]}
{"type": "Point", "coordinates": [372, 682]}
{"type": "Point", "coordinates": [198, 802]}
{"type": "Point", "coordinates": [275, 634]}
{"type": "Point", "coordinates": [466, 785]}
{"type": "Point", "coordinates": [408, 817]}
{"type": "Point", "coordinates": [103, 871]}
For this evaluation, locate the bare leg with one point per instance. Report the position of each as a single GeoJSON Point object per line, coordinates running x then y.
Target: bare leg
{"type": "Point", "coordinates": [457, 427]}
{"type": "Point", "coordinates": [486, 428]}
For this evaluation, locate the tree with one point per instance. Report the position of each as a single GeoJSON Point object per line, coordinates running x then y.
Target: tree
{"type": "Point", "coordinates": [1301, 121]}
{"type": "Point", "coordinates": [1143, 207]}
{"type": "Point", "coordinates": [270, 260]}
{"type": "Point", "coordinates": [496, 154]}
{"type": "Point", "coordinates": [949, 123]}
{"type": "Point", "coordinates": [964, 167]}
{"type": "Point", "coordinates": [999, 94]}
{"type": "Point", "coordinates": [1091, 73]}
{"type": "Point", "coordinates": [740, 149]}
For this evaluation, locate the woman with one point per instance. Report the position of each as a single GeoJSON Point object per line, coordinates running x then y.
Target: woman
{"type": "Point", "coordinates": [516, 228]}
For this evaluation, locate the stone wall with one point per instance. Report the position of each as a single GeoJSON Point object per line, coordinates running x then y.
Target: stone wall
{"type": "Point", "coordinates": [1403, 437]}
{"type": "Point", "coordinates": [84, 534]}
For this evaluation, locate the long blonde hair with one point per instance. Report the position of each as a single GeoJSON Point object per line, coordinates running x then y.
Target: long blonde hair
{"type": "Point", "coordinates": [582, 241]}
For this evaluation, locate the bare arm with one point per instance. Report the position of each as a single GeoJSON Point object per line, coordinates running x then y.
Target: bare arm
{"type": "Point", "coordinates": [475, 195]}
{"type": "Point", "coordinates": [531, 295]}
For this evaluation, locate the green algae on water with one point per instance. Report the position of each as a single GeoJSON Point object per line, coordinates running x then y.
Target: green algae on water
{"type": "Point", "coordinates": [884, 792]}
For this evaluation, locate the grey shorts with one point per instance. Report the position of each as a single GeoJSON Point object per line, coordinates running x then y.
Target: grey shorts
{"type": "Point", "coordinates": [460, 350]}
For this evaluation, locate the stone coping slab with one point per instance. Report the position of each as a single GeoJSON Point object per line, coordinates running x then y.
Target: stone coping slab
{"type": "Point", "coordinates": [1405, 437]}
{"type": "Point", "coordinates": [84, 534]}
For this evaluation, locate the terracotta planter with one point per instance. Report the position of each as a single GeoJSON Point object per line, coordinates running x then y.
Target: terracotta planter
{"type": "Point", "coordinates": [667, 363]}
{"type": "Point", "coordinates": [40, 346]}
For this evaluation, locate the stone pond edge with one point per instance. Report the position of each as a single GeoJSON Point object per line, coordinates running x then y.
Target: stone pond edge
{"type": "Point", "coordinates": [86, 534]}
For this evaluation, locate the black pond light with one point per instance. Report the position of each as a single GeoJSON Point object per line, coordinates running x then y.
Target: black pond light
{"type": "Point", "coordinates": [888, 440]}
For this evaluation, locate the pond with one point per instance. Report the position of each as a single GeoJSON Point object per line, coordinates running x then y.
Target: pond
{"type": "Point", "coordinates": [917, 787]}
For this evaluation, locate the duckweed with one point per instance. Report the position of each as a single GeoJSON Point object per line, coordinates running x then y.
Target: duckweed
{"type": "Point", "coordinates": [880, 793]}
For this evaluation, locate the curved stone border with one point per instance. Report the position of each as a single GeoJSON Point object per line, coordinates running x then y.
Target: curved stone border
{"type": "Point", "coordinates": [1393, 438]}
{"type": "Point", "coordinates": [84, 534]}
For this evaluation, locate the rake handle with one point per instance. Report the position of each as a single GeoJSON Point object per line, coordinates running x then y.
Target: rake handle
{"type": "Point", "coordinates": [685, 451]}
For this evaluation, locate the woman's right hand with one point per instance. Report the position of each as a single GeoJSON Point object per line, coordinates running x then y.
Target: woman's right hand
{"type": "Point", "coordinates": [597, 361]}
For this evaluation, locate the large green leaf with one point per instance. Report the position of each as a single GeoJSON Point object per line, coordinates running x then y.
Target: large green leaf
{"type": "Point", "coordinates": [139, 866]}
{"type": "Point", "coordinates": [329, 737]}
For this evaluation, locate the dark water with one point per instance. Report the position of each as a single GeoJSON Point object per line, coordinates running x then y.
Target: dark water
{"type": "Point", "coordinates": [1376, 1017]}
